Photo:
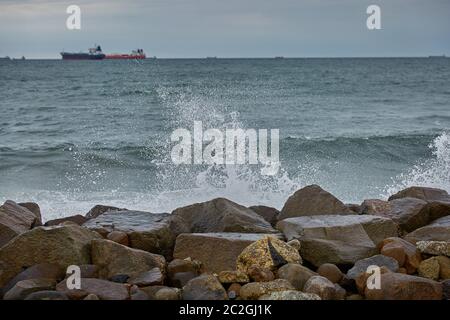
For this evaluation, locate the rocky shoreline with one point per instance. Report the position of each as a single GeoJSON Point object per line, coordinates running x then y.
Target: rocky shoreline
{"type": "Point", "coordinates": [315, 248]}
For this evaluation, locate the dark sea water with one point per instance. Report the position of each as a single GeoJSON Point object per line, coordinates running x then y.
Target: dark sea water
{"type": "Point", "coordinates": [78, 133]}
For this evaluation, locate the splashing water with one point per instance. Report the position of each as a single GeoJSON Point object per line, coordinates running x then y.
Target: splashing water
{"type": "Point", "coordinates": [433, 172]}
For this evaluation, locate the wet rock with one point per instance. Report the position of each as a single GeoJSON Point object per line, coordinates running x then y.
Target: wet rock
{"type": "Point", "coordinates": [423, 193]}
{"type": "Point", "coordinates": [268, 213]}
{"type": "Point", "coordinates": [269, 253]}
{"type": "Point", "coordinates": [397, 286]}
{"type": "Point", "coordinates": [218, 215]}
{"type": "Point", "coordinates": [99, 209]}
{"type": "Point", "coordinates": [47, 295]}
{"type": "Point", "coordinates": [25, 287]}
{"type": "Point", "coordinates": [331, 272]}
{"type": "Point", "coordinates": [148, 278]}
{"type": "Point", "coordinates": [434, 247]}
{"type": "Point", "coordinates": [15, 220]}
{"type": "Point", "coordinates": [112, 259]}
{"type": "Point", "coordinates": [289, 295]}
{"type": "Point", "coordinates": [324, 288]}
{"type": "Point", "coordinates": [254, 290]}
{"type": "Point", "coordinates": [119, 237]}
{"type": "Point", "coordinates": [204, 287]}
{"type": "Point", "coordinates": [103, 289]}
{"type": "Point", "coordinates": [43, 270]}
{"type": "Point", "coordinates": [403, 251]}
{"type": "Point", "coordinates": [377, 260]}
{"type": "Point", "coordinates": [312, 200]}
{"type": "Point", "coordinates": [77, 219]}
{"type": "Point", "coordinates": [61, 245]}
{"type": "Point", "coordinates": [233, 277]}
{"type": "Point", "coordinates": [337, 239]}
{"type": "Point", "coordinates": [146, 231]}
{"type": "Point", "coordinates": [296, 274]}
{"type": "Point", "coordinates": [429, 268]}
{"type": "Point", "coordinates": [260, 274]}
{"type": "Point", "coordinates": [217, 251]}
{"type": "Point", "coordinates": [438, 230]}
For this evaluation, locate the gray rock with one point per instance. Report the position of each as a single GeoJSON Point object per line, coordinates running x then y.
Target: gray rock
{"type": "Point", "coordinates": [438, 230]}
{"type": "Point", "coordinates": [296, 274]}
{"type": "Point", "coordinates": [47, 295]}
{"type": "Point", "coordinates": [148, 278]}
{"type": "Point", "coordinates": [104, 290]}
{"type": "Point", "coordinates": [378, 260]}
{"type": "Point", "coordinates": [204, 287]}
{"type": "Point", "coordinates": [25, 287]}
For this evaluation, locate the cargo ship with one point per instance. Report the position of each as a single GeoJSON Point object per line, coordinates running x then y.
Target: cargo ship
{"type": "Point", "coordinates": [135, 54]}
{"type": "Point", "coordinates": [93, 54]}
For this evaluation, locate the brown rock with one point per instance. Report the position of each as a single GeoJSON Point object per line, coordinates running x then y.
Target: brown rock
{"type": "Point", "coordinates": [434, 247]}
{"type": "Point", "coordinates": [260, 274]}
{"type": "Point", "coordinates": [204, 287]}
{"type": "Point", "coordinates": [356, 208]}
{"type": "Point", "coordinates": [331, 272]}
{"type": "Point", "coordinates": [77, 219]}
{"type": "Point", "coordinates": [324, 288]}
{"type": "Point", "coordinates": [294, 243]}
{"type": "Point", "coordinates": [89, 271]}
{"type": "Point", "coordinates": [115, 259]}
{"type": "Point", "coordinates": [296, 274]}
{"type": "Point", "coordinates": [233, 277]}
{"type": "Point", "coordinates": [423, 193]}
{"type": "Point", "coordinates": [254, 290]}
{"type": "Point", "coordinates": [167, 294]}
{"type": "Point", "coordinates": [429, 268]}
{"type": "Point", "coordinates": [25, 287]}
{"type": "Point", "coordinates": [119, 237]}
{"type": "Point", "coordinates": [397, 286]}
{"type": "Point", "coordinates": [268, 213]}
{"type": "Point", "coordinates": [104, 290]}
{"type": "Point", "coordinates": [312, 200]}
{"type": "Point", "coordinates": [91, 296]}
{"type": "Point", "coordinates": [62, 245]}
{"type": "Point", "coordinates": [289, 295]}
{"type": "Point", "coordinates": [269, 253]}
{"type": "Point", "coordinates": [218, 215]}
{"type": "Point", "coordinates": [217, 251]}
{"type": "Point", "coordinates": [15, 220]}
{"type": "Point", "coordinates": [182, 266]}
{"type": "Point", "coordinates": [375, 206]}
{"type": "Point", "coordinates": [412, 257]}
{"type": "Point", "coordinates": [148, 278]}
{"type": "Point", "coordinates": [34, 208]}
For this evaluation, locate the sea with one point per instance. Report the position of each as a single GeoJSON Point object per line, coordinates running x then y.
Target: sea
{"type": "Point", "coordinates": [74, 134]}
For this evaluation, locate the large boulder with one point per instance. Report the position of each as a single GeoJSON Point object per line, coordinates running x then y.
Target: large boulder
{"type": "Point", "coordinates": [14, 220]}
{"type": "Point", "coordinates": [204, 287]}
{"type": "Point", "coordinates": [104, 290]}
{"type": "Point", "coordinates": [99, 209]}
{"type": "Point", "coordinates": [62, 245]}
{"type": "Point", "coordinates": [35, 209]}
{"type": "Point", "coordinates": [146, 231]}
{"type": "Point", "coordinates": [114, 259]}
{"type": "Point", "coordinates": [77, 219]}
{"type": "Point", "coordinates": [217, 251]}
{"type": "Point", "coordinates": [312, 200]}
{"type": "Point", "coordinates": [397, 286]}
{"type": "Point", "coordinates": [337, 239]}
{"type": "Point", "coordinates": [218, 215]}
{"type": "Point", "coordinates": [438, 230]}
{"type": "Point", "coordinates": [269, 253]}
{"type": "Point", "coordinates": [423, 193]}
{"type": "Point", "coordinates": [254, 290]}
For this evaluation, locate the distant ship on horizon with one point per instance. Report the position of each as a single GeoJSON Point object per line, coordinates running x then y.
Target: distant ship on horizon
{"type": "Point", "coordinates": [93, 54]}
{"type": "Point", "coordinates": [441, 56]}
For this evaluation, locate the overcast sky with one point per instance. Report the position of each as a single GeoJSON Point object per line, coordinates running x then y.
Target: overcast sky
{"type": "Point", "coordinates": [227, 28]}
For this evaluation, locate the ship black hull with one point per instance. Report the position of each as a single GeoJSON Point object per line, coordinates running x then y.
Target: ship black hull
{"type": "Point", "coordinates": [82, 56]}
